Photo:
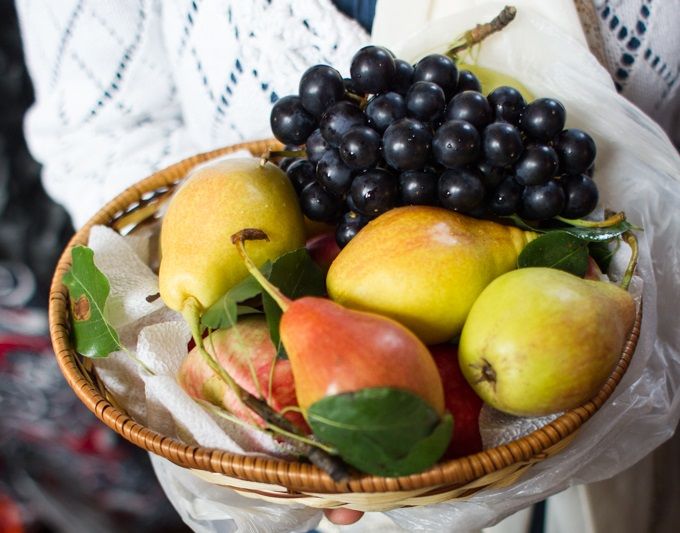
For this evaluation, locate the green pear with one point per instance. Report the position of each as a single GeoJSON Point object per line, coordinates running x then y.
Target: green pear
{"type": "Point", "coordinates": [424, 267]}
{"type": "Point", "coordinates": [540, 340]}
{"type": "Point", "coordinates": [198, 261]}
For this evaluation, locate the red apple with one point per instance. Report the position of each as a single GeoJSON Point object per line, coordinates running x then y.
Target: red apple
{"type": "Point", "coordinates": [247, 353]}
{"type": "Point", "coordinates": [460, 400]}
{"type": "Point", "coordinates": [593, 271]}
{"type": "Point", "coordinates": [323, 249]}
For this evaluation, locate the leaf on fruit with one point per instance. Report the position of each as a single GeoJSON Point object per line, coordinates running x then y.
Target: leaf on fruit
{"type": "Point", "coordinates": [556, 249]}
{"type": "Point", "coordinates": [225, 311]}
{"type": "Point", "coordinates": [599, 234]}
{"type": "Point", "coordinates": [382, 431]}
{"type": "Point", "coordinates": [295, 274]}
{"type": "Point", "coordinates": [88, 290]}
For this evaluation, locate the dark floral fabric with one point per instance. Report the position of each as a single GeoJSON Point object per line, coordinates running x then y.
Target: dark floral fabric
{"type": "Point", "coordinates": [61, 469]}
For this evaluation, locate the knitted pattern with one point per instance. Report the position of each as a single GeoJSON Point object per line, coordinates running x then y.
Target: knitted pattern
{"type": "Point", "coordinates": [125, 88]}
{"type": "Point", "coordinates": [642, 53]}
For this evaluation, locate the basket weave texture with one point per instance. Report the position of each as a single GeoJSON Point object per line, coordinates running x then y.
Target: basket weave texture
{"type": "Point", "coordinates": [284, 481]}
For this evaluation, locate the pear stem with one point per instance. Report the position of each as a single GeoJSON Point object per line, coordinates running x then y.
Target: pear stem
{"type": "Point", "coordinates": [191, 311]}
{"type": "Point", "coordinates": [631, 239]}
{"type": "Point", "coordinates": [481, 31]}
{"type": "Point", "coordinates": [251, 234]}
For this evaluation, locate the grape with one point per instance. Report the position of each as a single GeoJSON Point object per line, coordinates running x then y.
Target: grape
{"type": "Point", "coordinates": [491, 175]}
{"type": "Point", "coordinates": [384, 109]}
{"type": "Point", "coordinates": [581, 195]}
{"type": "Point", "coordinates": [501, 144]}
{"type": "Point", "coordinates": [333, 174]}
{"type": "Point", "coordinates": [360, 147]}
{"type": "Point", "coordinates": [403, 76]}
{"type": "Point", "coordinates": [472, 107]}
{"type": "Point", "coordinates": [320, 87]}
{"type": "Point", "coordinates": [537, 165]}
{"type": "Point", "coordinates": [349, 202]}
{"type": "Point", "coordinates": [461, 189]}
{"type": "Point", "coordinates": [374, 192]}
{"type": "Point", "coordinates": [543, 119]}
{"type": "Point", "coordinates": [418, 187]}
{"type": "Point", "coordinates": [289, 121]}
{"type": "Point", "coordinates": [540, 202]}
{"type": "Point", "coordinates": [318, 204]}
{"type": "Point", "coordinates": [406, 144]}
{"type": "Point", "coordinates": [456, 143]}
{"type": "Point", "coordinates": [505, 199]}
{"type": "Point", "coordinates": [467, 81]}
{"type": "Point", "coordinates": [425, 100]}
{"type": "Point", "coordinates": [287, 162]}
{"type": "Point", "coordinates": [507, 104]}
{"type": "Point", "coordinates": [372, 69]}
{"type": "Point", "coordinates": [438, 69]}
{"type": "Point", "coordinates": [301, 173]}
{"type": "Point", "coordinates": [576, 151]}
{"type": "Point", "coordinates": [316, 146]}
{"type": "Point", "coordinates": [338, 120]}
{"type": "Point", "coordinates": [349, 226]}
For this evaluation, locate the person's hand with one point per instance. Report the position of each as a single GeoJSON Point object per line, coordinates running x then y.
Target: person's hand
{"type": "Point", "coordinates": [343, 517]}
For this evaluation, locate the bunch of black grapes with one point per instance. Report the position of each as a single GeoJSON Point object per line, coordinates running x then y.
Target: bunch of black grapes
{"type": "Point", "coordinates": [398, 134]}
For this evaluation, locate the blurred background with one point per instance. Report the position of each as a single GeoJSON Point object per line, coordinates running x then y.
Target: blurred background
{"type": "Point", "coordinates": [61, 470]}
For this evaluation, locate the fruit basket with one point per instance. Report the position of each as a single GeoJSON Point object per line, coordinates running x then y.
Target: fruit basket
{"type": "Point", "coordinates": [295, 482]}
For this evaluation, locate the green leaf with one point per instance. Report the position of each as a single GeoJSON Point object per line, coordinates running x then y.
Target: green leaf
{"type": "Point", "coordinates": [88, 290]}
{"type": "Point", "coordinates": [225, 311]}
{"type": "Point", "coordinates": [296, 275]}
{"type": "Point", "coordinates": [602, 253]}
{"type": "Point", "coordinates": [599, 234]}
{"type": "Point", "coordinates": [557, 249]}
{"type": "Point", "coordinates": [382, 431]}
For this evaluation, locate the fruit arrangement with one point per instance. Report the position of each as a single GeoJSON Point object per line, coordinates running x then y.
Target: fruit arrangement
{"type": "Point", "coordinates": [455, 270]}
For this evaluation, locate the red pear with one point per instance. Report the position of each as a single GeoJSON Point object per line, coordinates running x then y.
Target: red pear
{"type": "Point", "coordinates": [334, 350]}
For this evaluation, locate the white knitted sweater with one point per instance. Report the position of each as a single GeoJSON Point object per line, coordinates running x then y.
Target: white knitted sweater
{"type": "Point", "coordinates": [124, 88]}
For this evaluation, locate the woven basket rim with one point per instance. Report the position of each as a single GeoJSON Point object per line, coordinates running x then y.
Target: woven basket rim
{"type": "Point", "coordinates": [295, 476]}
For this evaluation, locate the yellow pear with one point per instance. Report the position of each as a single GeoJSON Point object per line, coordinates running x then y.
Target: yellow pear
{"type": "Point", "coordinates": [199, 263]}
{"type": "Point", "coordinates": [424, 267]}
{"type": "Point", "coordinates": [492, 79]}
{"type": "Point", "coordinates": [540, 340]}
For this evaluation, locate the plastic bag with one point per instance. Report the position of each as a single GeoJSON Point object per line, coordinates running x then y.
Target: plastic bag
{"type": "Point", "coordinates": [638, 171]}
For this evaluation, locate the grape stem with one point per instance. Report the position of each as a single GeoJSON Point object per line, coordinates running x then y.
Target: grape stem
{"type": "Point", "coordinates": [612, 220]}
{"type": "Point", "coordinates": [272, 154]}
{"type": "Point", "coordinates": [361, 101]}
{"type": "Point", "coordinates": [481, 31]}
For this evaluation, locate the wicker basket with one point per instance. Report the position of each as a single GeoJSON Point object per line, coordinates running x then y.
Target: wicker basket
{"type": "Point", "coordinates": [296, 482]}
